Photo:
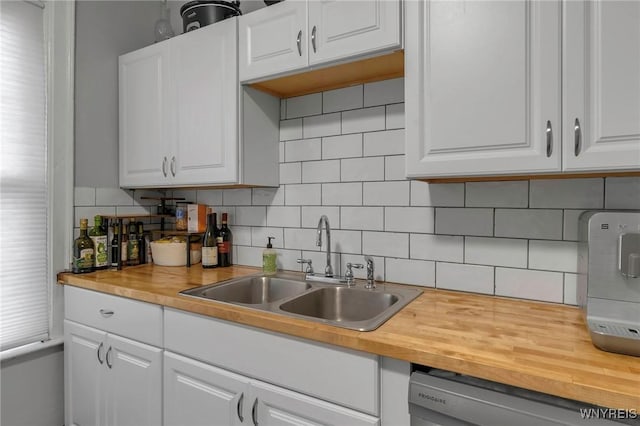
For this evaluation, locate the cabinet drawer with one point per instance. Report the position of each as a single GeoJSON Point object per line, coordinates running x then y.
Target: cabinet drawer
{"type": "Point", "coordinates": [128, 318]}
{"type": "Point", "coordinates": [338, 375]}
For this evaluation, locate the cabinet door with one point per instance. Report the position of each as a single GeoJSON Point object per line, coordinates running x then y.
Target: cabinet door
{"type": "Point", "coordinates": [272, 405]}
{"type": "Point", "coordinates": [342, 29]}
{"type": "Point", "coordinates": [134, 386]}
{"type": "Point", "coordinates": [206, 105]}
{"type": "Point", "coordinates": [273, 40]}
{"type": "Point", "coordinates": [482, 87]}
{"type": "Point", "coordinates": [144, 119]}
{"type": "Point", "coordinates": [84, 357]}
{"type": "Point", "coordinates": [602, 85]}
{"type": "Point", "coordinates": [200, 394]}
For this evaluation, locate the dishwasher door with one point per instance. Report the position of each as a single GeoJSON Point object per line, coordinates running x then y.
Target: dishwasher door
{"type": "Point", "coordinates": [442, 398]}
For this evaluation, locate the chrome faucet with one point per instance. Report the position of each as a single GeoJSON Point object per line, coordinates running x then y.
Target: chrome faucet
{"type": "Point", "coordinates": [328, 270]}
{"type": "Point", "coordinates": [370, 272]}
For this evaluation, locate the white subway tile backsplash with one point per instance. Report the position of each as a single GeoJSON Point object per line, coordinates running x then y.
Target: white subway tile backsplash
{"type": "Point", "coordinates": [570, 224]}
{"type": "Point", "coordinates": [553, 255]}
{"type": "Point", "coordinates": [570, 289]}
{"type": "Point", "coordinates": [288, 217]}
{"type": "Point", "coordinates": [89, 213]}
{"type": "Point", "coordinates": [241, 235]}
{"type": "Point", "coordinates": [250, 256]}
{"type": "Point", "coordinates": [303, 150]}
{"type": "Point", "coordinates": [290, 173]}
{"type": "Point", "coordinates": [495, 251]}
{"type": "Point", "coordinates": [268, 196]}
{"type": "Point", "coordinates": [344, 241]}
{"type": "Point", "coordinates": [321, 171]}
{"type": "Point", "coordinates": [622, 193]}
{"type": "Point", "coordinates": [385, 193]}
{"type": "Point", "coordinates": [395, 116]}
{"type": "Point", "coordinates": [301, 239]}
{"type": "Point", "coordinates": [251, 216]}
{"type": "Point", "coordinates": [84, 196]}
{"type": "Point", "coordinates": [321, 125]}
{"type": "Point", "coordinates": [567, 193]}
{"type": "Point", "coordinates": [311, 216]}
{"type": "Point", "coordinates": [306, 194]}
{"type": "Point", "coordinates": [237, 197]}
{"type": "Point", "coordinates": [281, 151]}
{"type": "Point", "coordinates": [302, 106]}
{"type": "Point", "coordinates": [388, 142]}
{"type": "Point", "coordinates": [406, 271]}
{"type": "Point", "coordinates": [344, 146]}
{"type": "Point", "coordinates": [528, 284]}
{"type": "Point", "coordinates": [291, 129]}
{"type": "Point", "coordinates": [342, 194]}
{"type": "Point", "coordinates": [436, 247]}
{"type": "Point", "coordinates": [362, 169]}
{"type": "Point", "coordinates": [113, 197]}
{"type": "Point", "coordinates": [473, 278]}
{"type": "Point", "coordinates": [259, 237]}
{"type": "Point", "coordinates": [409, 219]}
{"type": "Point", "coordinates": [287, 259]}
{"type": "Point", "coordinates": [342, 99]}
{"type": "Point", "coordinates": [529, 223]}
{"type": "Point", "coordinates": [209, 197]}
{"type": "Point", "coordinates": [385, 244]}
{"type": "Point", "coordinates": [437, 194]}
{"type": "Point", "coordinates": [394, 167]}
{"type": "Point", "coordinates": [384, 92]}
{"type": "Point", "coordinates": [363, 120]}
{"type": "Point", "coordinates": [469, 221]}
{"type": "Point", "coordinates": [497, 194]}
{"type": "Point", "coordinates": [362, 218]}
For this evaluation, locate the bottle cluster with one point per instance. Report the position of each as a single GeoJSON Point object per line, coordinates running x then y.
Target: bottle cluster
{"type": "Point", "coordinates": [216, 242]}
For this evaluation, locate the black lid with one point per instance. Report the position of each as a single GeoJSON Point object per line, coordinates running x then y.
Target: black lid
{"type": "Point", "coordinates": [233, 6]}
{"type": "Point", "coordinates": [269, 243]}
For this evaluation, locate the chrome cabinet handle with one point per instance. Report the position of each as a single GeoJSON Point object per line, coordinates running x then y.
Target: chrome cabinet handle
{"type": "Point", "coordinates": [173, 166]}
{"type": "Point", "coordinates": [109, 364]}
{"type": "Point", "coordinates": [100, 360]}
{"type": "Point", "coordinates": [239, 407]}
{"type": "Point", "coordinates": [299, 42]}
{"type": "Point", "coordinates": [254, 412]}
{"type": "Point", "coordinates": [313, 38]}
{"type": "Point", "coordinates": [106, 313]}
{"type": "Point", "coordinates": [577, 134]}
{"type": "Point", "coordinates": [164, 167]}
{"type": "Point", "coordinates": [549, 139]}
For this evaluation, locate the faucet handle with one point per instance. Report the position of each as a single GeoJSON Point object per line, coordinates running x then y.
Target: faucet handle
{"type": "Point", "coordinates": [349, 274]}
{"type": "Point", "coordinates": [370, 273]}
{"type": "Point", "coordinates": [309, 269]}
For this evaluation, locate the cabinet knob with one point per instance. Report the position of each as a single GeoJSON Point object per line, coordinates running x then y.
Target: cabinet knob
{"type": "Point", "coordinates": [239, 408]}
{"type": "Point", "coordinates": [549, 139]}
{"type": "Point", "coordinates": [109, 364]}
{"type": "Point", "coordinates": [106, 313]}
{"type": "Point", "coordinates": [577, 136]}
{"type": "Point", "coordinates": [173, 166]}
{"type": "Point", "coordinates": [100, 360]}
{"type": "Point", "coordinates": [313, 38]}
{"type": "Point", "coordinates": [299, 42]}
{"type": "Point", "coordinates": [164, 166]}
{"type": "Point", "coordinates": [254, 412]}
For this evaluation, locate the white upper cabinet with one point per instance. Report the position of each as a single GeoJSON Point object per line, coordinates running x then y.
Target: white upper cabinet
{"type": "Point", "coordinates": [602, 85]}
{"type": "Point", "coordinates": [293, 35]}
{"type": "Point", "coordinates": [487, 83]}
{"type": "Point", "coordinates": [180, 113]}
{"type": "Point", "coordinates": [482, 87]}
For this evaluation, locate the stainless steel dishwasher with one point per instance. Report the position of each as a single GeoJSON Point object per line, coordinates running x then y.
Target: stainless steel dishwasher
{"type": "Point", "coordinates": [444, 398]}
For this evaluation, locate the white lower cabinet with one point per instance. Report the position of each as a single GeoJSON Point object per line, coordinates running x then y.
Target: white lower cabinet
{"type": "Point", "coordinates": [201, 394]}
{"type": "Point", "coordinates": [110, 380]}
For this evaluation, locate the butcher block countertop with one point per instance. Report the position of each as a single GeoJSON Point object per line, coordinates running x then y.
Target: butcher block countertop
{"type": "Point", "coordinates": [534, 345]}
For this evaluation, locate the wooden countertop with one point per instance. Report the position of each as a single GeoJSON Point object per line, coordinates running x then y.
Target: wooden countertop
{"type": "Point", "coordinates": [534, 345]}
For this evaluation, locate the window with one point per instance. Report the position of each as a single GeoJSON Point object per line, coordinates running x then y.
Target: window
{"type": "Point", "coordinates": [24, 186]}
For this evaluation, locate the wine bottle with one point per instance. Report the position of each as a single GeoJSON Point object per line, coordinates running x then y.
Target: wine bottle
{"type": "Point", "coordinates": [142, 247]}
{"type": "Point", "coordinates": [99, 238]}
{"type": "Point", "coordinates": [133, 249]}
{"type": "Point", "coordinates": [83, 251]}
{"type": "Point", "coordinates": [224, 243]}
{"type": "Point", "coordinates": [114, 246]}
{"type": "Point", "coordinates": [210, 242]}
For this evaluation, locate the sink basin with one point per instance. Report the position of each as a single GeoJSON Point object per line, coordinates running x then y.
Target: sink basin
{"type": "Point", "coordinates": [251, 290]}
{"type": "Point", "coordinates": [340, 304]}
{"type": "Point", "coordinates": [288, 294]}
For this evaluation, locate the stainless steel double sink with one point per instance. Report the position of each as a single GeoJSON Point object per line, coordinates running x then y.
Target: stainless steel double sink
{"type": "Point", "coordinates": [289, 294]}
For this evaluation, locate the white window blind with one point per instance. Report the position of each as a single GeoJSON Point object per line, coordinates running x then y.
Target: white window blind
{"type": "Point", "coordinates": [24, 299]}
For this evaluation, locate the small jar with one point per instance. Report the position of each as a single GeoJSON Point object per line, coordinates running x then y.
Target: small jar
{"type": "Point", "coordinates": [181, 216]}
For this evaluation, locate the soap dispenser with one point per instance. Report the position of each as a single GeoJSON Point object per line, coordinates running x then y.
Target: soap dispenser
{"type": "Point", "coordinates": [269, 259]}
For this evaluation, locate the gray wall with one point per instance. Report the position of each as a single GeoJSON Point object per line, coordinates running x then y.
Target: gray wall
{"type": "Point", "coordinates": [104, 31]}
{"type": "Point", "coordinates": [33, 389]}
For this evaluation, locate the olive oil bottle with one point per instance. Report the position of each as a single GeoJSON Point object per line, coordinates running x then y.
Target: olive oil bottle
{"type": "Point", "coordinates": [83, 251]}
{"type": "Point", "coordinates": [99, 238]}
